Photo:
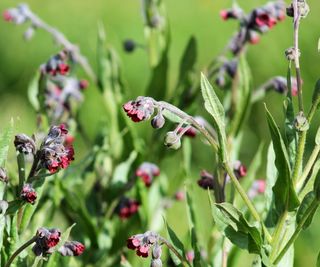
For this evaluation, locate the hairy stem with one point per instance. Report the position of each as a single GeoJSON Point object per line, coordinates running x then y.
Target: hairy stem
{"type": "Point", "coordinates": [168, 244]}
{"type": "Point", "coordinates": [277, 234]}
{"type": "Point", "coordinates": [19, 250]}
{"type": "Point", "coordinates": [314, 205]}
{"type": "Point", "coordinates": [246, 199]}
{"type": "Point", "coordinates": [299, 156]}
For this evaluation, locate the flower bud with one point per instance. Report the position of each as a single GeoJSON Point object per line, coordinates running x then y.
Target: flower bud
{"type": "Point", "coordinates": [301, 123]}
{"type": "Point", "coordinates": [156, 263]}
{"type": "Point", "coordinates": [129, 45]}
{"type": "Point", "coordinates": [24, 144]}
{"type": "Point", "coordinates": [72, 248]}
{"type": "Point", "coordinates": [3, 175]}
{"type": "Point", "coordinates": [156, 252]}
{"type": "Point", "coordinates": [172, 140]}
{"type": "Point", "coordinates": [290, 11]}
{"type": "Point", "coordinates": [28, 194]}
{"type": "Point", "coordinates": [206, 181]}
{"type": "Point", "coordinates": [158, 121]}
{"type": "Point", "coordinates": [29, 33]}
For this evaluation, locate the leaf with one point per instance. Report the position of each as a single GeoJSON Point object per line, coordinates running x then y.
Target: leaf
{"type": "Point", "coordinates": [290, 132]}
{"type": "Point", "coordinates": [243, 95]}
{"type": "Point", "coordinates": [235, 227]}
{"type": "Point", "coordinates": [284, 192]}
{"type": "Point", "coordinates": [317, 139]}
{"type": "Point", "coordinates": [121, 172]}
{"type": "Point", "coordinates": [5, 140]}
{"type": "Point", "coordinates": [304, 209]}
{"type": "Point", "coordinates": [318, 258]}
{"type": "Point", "coordinates": [316, 93]}
{"type": "Point", "coordinates": [33, 90]}
{"type": "Point", "coordinates": [215, 108]}
{"type": "Point", "coordinates": [192, 229]}
{"type": "Point", "coordinates": [178, 245]}
{"type": "Point", "coordinates": [187, 154]}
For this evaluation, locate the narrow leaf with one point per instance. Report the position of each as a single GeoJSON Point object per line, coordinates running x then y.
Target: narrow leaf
{"type": "Point", "coordinates": [304, 207]}
{"type": "Point", "coordinates": [176, 243]}
{"type": "Point", "coordinates": [284, 193]}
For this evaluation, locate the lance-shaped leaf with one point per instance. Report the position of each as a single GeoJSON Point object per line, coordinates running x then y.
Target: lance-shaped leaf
{"type": "Point", "coordinates": [316, 94]}
{"type": "Point", "coordinates": [235, 227]}
{"type": "Point", "coordinates": [284, 193]}
{"type": "Point", "coordinates": [216, 110]}
{"type": "Point", "coordinates": [304, 210]}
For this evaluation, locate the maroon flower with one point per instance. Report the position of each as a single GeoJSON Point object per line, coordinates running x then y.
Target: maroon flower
{"type": "Point", "coordinates": [264, 19]}
{"type": "Point", "coordinates": [83, 84]}
{"type": "Point", "coordinates": [240, 169]}
{"type": "Point", "coordinates": [180, 196]}
{"type": "Point", "coordinates": [28, 194]}
{"type": "Point", "coordinates": [69, 140]}
{"type": "Point", "coordinates": [233, 13]}
{"type": "Point", "coordinates": [206, 181]}
{"type": "Point", "coordinates": [127, 207]}
{"type": "Point", "coordinates": [147, 171]}
{"type": "Point", "coordinates": [63, 68]}
{"type": "Point", "coordinates": [72, 248]}
{"type": "Point", "coordinates": [140, 109]}
{"type": "Point", "coordinates": [7, 15]}
{"type": "Point", "coordinates": [46, 240]}
{"type": "Point", "coordinates": [133, 242]}
{"type": "Point", "coordinates": [191, 132]}
{"type": "Point", "coordinates": [258, 187]}
{"type": "Point", "coordinates": [143, 251]}
{"type": "Point", "coordinates": [190, 255]}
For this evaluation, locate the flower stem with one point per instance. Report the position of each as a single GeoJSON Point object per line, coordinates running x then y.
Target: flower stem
{"type": "Point", "coordinates": [246, 199]}
{"type": "Point", "coordinates": [314, 205]}
{"type": "Point", "coordinates": [168, 244]}
{"type": "Point", "coordinates": [21, 170]}
{"type": "Point", "coordinates": [277, 234]}
{"type": "Point", "coordinates": [299, 156]}
{"type": "Point", "coordinates": [19, 250]}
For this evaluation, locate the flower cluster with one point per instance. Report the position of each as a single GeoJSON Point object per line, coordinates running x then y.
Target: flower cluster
{"type": "Point", "coordinates": [142, 243]}
{"type": "Point", "coordinates": [226, 71]}
{"type": "Point", "coordinates": [239, 169]}
{"type": "Point", "coordinates": [71, 248]}
{"type": "Point", "coordinates": [127, 207]}
{"type": "Point", "coordinates": [28, 194]}
{"type": "Point", "coordinates": [279, 84]}
{"type": "Point", "coordinates": [258, 21]}
{"type": "Point", "coordinates": [147, 171]}
{"type": "Point", "coordinates": [17, 15]}
{"type": "Point", "coordinates": [54, 154]}
{"type": "Point", "coordinates": [46, 240]}
{"type": "Point", "coordinates": [140, 109]}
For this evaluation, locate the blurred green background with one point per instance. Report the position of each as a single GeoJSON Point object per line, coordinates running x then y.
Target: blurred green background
{"type": "Point", "coordinates": [78, 20]}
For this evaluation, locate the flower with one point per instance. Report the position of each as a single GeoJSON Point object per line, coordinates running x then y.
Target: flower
{"type": "Point", "coordinates": [191, 132]}
{"type": "Point", "coordinates": [129, 45]}
{"type": "Point", "coordinates": [180, 196]}
{"type": "Point", "coordinates": [258, 187]}
{"type": "Point", "coordinates": [7, 15]}
{"type": "Point", "coordinates": [142, 243]}
{"type": "Point", "coordinates": [46, 240]}
{"type": "Point", "coordinates": [239, 169]}
{"type": "Point", "coordinates": [3, 175]}
{"type": "Point", "coordinates": [233, 13]}
{"type": "Point", "coordinates": [190, 255]}
{"type": "Point", "coordinates": [83, 84]}
{"type": "Point", "coordinates": [206, 181]}
{"type": "Point", "coordinates": [127, 207]}
{"type": "Point", "coordinates": [140, 109]}
{"type": "Point", "coordinates": [72, 248]}
{"type": "Point", "coordinates": [28, 194]}
{"type": "Point", "coordinates": [147, 171]}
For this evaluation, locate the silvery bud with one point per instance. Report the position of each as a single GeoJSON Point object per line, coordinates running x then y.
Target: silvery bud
{"type": "Point", "coordinates": [156, 263]}
{"type": "Point", "coordinates": [172, 140]}
{"type": "Point", "coordinates": [29, 33]}
{"type": "Point", "coordinates": [301, 123]}
{"type": "Point", "coordinates": [24, 144]}
{"type": "Point", "coordinates": [158, 121]}
{"type": "Point", "coordinates": [156, 252]}
{"type": "Point", "coordinates": [3, 175]}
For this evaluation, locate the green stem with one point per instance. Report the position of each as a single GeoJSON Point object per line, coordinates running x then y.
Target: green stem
{"type": "Point", "coordinates": [246, 199]}
{"type": "Point", "coordinates": [168, 244]}
{"type": "Point", "coordinates": [277, 234]}
{"type": "Point", "coordinates": [21, 170]}
{"type": "Point", "coordinates": [313, 109]}
{"type": "Point", "coordinates": [299, 156]}
{"type": "Point", "coordinates": [308, 167]}
{"type": "Point", "coordinates": [19, 250]}
{"type": "Point", "coordinates": [309, 211]}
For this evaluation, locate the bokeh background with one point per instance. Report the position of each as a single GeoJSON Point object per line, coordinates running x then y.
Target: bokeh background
{"type": "Point", "coordinates": [78, 20]}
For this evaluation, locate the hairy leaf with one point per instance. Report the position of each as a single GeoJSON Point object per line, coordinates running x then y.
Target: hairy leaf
{"type": "Point", "coordinates": [303, 210]}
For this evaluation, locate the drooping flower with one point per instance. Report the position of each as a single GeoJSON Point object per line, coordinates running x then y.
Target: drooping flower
{"type": "Point", "coordinates": [46, 240]}
{"type": "Point", "coordinates": [127, 208]}
{"type": "Point", "coordinates": [206, 181]}
{"type": "Point", "coordinates": [147, 171]}
{"type": "Point", "coordinates": [140, 109]}
{"type": "Point", "coordinates": [71, 248]}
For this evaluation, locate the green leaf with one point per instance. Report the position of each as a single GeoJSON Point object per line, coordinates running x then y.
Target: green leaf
{"type": "Point", "coordinates": [316, 94]}
{"type": "Point", "coordinates": [290, 132]}
{"type": "Point", "coordinates": [316, 178]}
{"type": "Point", "coordinates": [215, 108]}
{"type": "Point", "coordinates": [317, 139]}
{"type": "Point", "coordinates": [121, 172]}
{"type": "Point", "coordinates": [318, 260]}
{"type": "Point", "coordinates": [235, 227]}
{"type": "Point", "coordinates": [33, 90]}
{"type": "Point", "coordinates": [284, 192]}
{"type": "Point", "coordinates": [243, 95]}
{"type": "Point", "coordinates": [178, 245]}
{"type": "Point", "coordinates": [304, 208]}
{"type": "Point", "coordinates": [5, 140]}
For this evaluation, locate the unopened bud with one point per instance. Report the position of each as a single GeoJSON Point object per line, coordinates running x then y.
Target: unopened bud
{"type": "Point", "coordinates": [3, 175]}
{"type": "Point", "coordinates": [129, 45]}
{"type": "Point", "coordinates": [29, 33]}
{"type": "Point", "coordinates": [158, 121]}
{"type": "Point", "coordinates": [172, 140]}
{"type": "Point", "coordinates": [290, 11]}
{"type": "Point", "coordinates": [301, 123]}
{"type": "Point", "coordinates": [24, 144]}
{"type": "Point", "coordinates": [156, 252]}
{"type": "Point", "coordinates": [156, 263]}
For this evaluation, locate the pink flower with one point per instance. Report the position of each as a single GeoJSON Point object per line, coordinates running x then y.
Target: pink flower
{"type": "Point", "coordinates": [28, 194]}
{"type": "Point", "coordinates": [264, 19]}
{"type": "Point", "coordinates": [147, 171]}
{"type": "Point", "coordinates": [7, 15]}
{"type": "Point", "coordinates": [140, 109]}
